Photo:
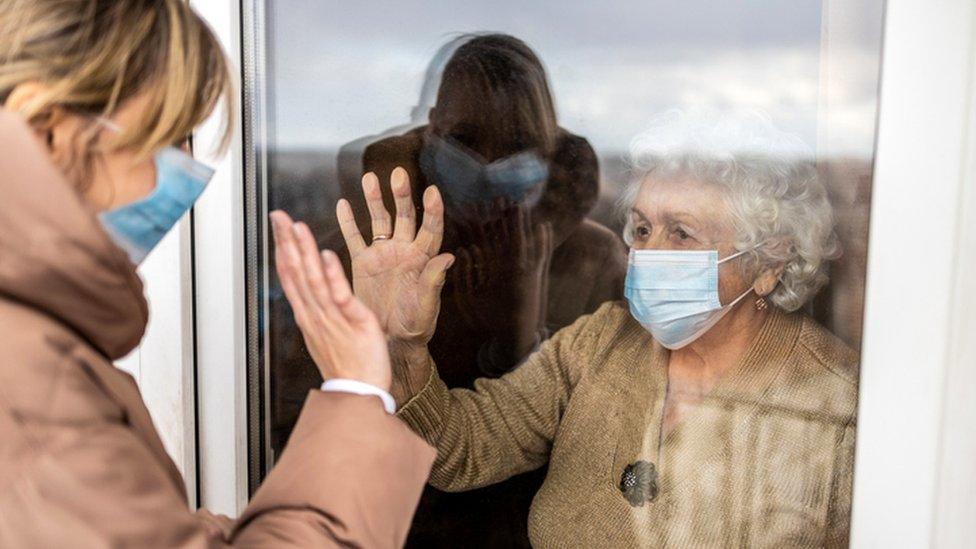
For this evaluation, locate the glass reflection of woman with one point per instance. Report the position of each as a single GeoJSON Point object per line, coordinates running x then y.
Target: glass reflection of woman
{"type": "Point", "coordinates": [493, 119]}
{"type": "Point", "coordinates": [516, 190]}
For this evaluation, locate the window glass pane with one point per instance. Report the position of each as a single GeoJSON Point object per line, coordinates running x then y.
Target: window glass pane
{"type": "Point", "coordinates": [599, 159]}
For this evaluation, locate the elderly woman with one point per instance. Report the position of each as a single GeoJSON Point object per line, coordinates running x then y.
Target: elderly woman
{"type": "Point", "coordinates": [708, 410]}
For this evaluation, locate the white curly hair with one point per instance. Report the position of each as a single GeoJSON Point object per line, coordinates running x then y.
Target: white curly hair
{"type": "Point", "coordinates": [773, 192]}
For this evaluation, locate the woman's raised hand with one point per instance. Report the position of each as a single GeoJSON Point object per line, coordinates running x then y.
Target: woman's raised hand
{"type": "Point", "coordinates": [343, 336]}
{"type": "Point", "coordinates": [399, 276]}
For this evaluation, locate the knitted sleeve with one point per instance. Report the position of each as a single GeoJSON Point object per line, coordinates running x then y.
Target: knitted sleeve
{"type": "Point", "coordinates": [504, 426]}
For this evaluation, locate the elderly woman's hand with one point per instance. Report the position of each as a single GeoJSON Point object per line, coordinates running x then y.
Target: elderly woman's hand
{"type": "Point", "coordinates": [400, 275]}
{"type": "Point", "coordinates": [341, 333]}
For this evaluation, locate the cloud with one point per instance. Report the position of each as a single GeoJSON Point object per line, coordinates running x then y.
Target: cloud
{"type": "Point", "coordinates": [341, 71]}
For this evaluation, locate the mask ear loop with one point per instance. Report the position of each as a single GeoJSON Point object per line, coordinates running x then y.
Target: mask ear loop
{"type": "Point", "coordinates": [750, 288]}
{"type": "Point", "coordinates": [743, 252]}
{"type": "Point", "coordinates": [113, 127]}
{"type": "Point", "coordinates": [108, 124]}
{"type": "Point", "coordinates": [713, 321]}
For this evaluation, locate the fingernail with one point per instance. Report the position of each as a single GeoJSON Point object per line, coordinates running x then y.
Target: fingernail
{"type": "Point", "coordinates": [368, 181]}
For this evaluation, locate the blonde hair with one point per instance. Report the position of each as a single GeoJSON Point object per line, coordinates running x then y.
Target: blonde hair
{"type": "Point", "coordinates": [94, 55]}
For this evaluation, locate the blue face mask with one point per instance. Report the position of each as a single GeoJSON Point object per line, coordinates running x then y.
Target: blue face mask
{"type": "Point", "coordinates": [465, 180]}
{"type": "Point", "coordinates": [138, 227]}
{"type": "Point", "coordinates": [674, 294]}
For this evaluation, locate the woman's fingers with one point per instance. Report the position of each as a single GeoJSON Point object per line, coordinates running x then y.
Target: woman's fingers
{"type": "Point", "coordinates": [406, 222]}
{"type": "Point", "coordinates": [381, 224]}
{"type": "Point", "coordinates": [289, 266]}
{"type": "Point", "coordinates": [334, 275]}
{"type": "Point", "coordinates": [431, 281]}
{"type": "Point", "coordinates": [547, 244]}
{"type": "Point", "coordinates": [351, 307]}
{"type": "Point", "coordinates": [432, 229]}
{"type": "Point", "coordinates": [315, 282]}
{"type": "Point", "coordinates": [349, 228]}
{"type": "Point", "coordinates": [523, 234]}
{"type": "Point", "coordinates": [544, 248]}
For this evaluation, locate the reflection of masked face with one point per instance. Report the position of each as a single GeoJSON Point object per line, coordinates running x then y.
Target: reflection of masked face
{"type": "Point", "coordinates": [465, 180]}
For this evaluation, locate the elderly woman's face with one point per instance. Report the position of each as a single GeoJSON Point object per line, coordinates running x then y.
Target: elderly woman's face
{"type": "Point", "coordinates": [685, 214]}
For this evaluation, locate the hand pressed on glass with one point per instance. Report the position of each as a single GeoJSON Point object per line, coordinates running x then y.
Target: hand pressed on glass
{"type": "Point", "coordinates": [341, 333]}
{"type": "Point", "coordinates": [399, 277]}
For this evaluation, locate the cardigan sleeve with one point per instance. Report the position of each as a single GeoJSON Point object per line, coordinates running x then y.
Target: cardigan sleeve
{"type": "Point", "coordinates": [504, 426]}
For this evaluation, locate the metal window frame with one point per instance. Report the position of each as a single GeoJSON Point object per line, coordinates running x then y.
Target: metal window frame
{"type": "Point", "coordinates": [256, 134]}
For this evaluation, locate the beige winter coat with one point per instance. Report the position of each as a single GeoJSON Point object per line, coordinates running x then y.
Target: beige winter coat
{"type": "Point", "coordinates": [81, 464]}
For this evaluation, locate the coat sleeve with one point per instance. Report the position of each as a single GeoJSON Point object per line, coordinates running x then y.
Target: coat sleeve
{"type": "Point", "coordinates": [505, 426]}
{"type": "Point", "coordinates": [350, 477]}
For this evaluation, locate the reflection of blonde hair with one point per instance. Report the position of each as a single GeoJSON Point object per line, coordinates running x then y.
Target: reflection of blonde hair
{"type": "Point", "coordinates": [93, 55]}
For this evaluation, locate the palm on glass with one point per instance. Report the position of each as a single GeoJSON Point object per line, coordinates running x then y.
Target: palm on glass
{"type": "Point", "coordinates": [400, 275]}
{"type": "Point", "coordinates": [341, 333]}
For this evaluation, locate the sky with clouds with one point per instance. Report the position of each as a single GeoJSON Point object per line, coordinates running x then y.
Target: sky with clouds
{"type": "Point", "coordinates": [340, 70]}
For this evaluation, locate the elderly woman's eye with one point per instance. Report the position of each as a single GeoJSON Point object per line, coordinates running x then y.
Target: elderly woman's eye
{"type": "Point", "coordinates": [680, 233]}
{"type": "Point", "coordinates": [642, 232]}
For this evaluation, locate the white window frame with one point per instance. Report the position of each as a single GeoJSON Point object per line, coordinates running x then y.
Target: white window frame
{"type": "Point", "coordinates": [915, 472]}
{"type": "Point", "coordinates": [915, 479]}
{"type": "Point", "coordinates": [220, 298]}
{"type": "Point", "coordinates": [163, 364]}
{"type": "Point", "coordinates": [191, 363]}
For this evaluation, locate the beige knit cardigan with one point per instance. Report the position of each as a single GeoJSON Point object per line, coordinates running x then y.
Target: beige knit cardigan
{"type": "Point", "coordinates": [764, 461]}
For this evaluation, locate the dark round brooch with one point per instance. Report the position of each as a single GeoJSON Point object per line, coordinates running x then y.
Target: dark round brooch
{"type": "Point", "coordinates": [638, 483]}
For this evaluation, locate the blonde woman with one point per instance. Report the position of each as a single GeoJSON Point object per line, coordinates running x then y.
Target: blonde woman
{"type": "Point", "coordinates": [98, 98]}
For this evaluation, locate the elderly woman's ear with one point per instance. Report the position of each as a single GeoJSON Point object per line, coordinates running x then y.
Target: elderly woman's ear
{"type": "Point", "coordinates": [767, 281]}
{"type": "Point", "coordinates": [768, 278]}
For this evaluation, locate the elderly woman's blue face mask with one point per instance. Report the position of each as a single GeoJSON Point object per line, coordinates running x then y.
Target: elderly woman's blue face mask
{"type": "Point", "coordinates": [674, 293]}
{"type": "Point", "coordinates": [466, 181]}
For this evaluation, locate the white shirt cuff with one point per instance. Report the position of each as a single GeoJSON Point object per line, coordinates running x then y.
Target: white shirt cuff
{"type": "Point", "coordinates": [360, 388]}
